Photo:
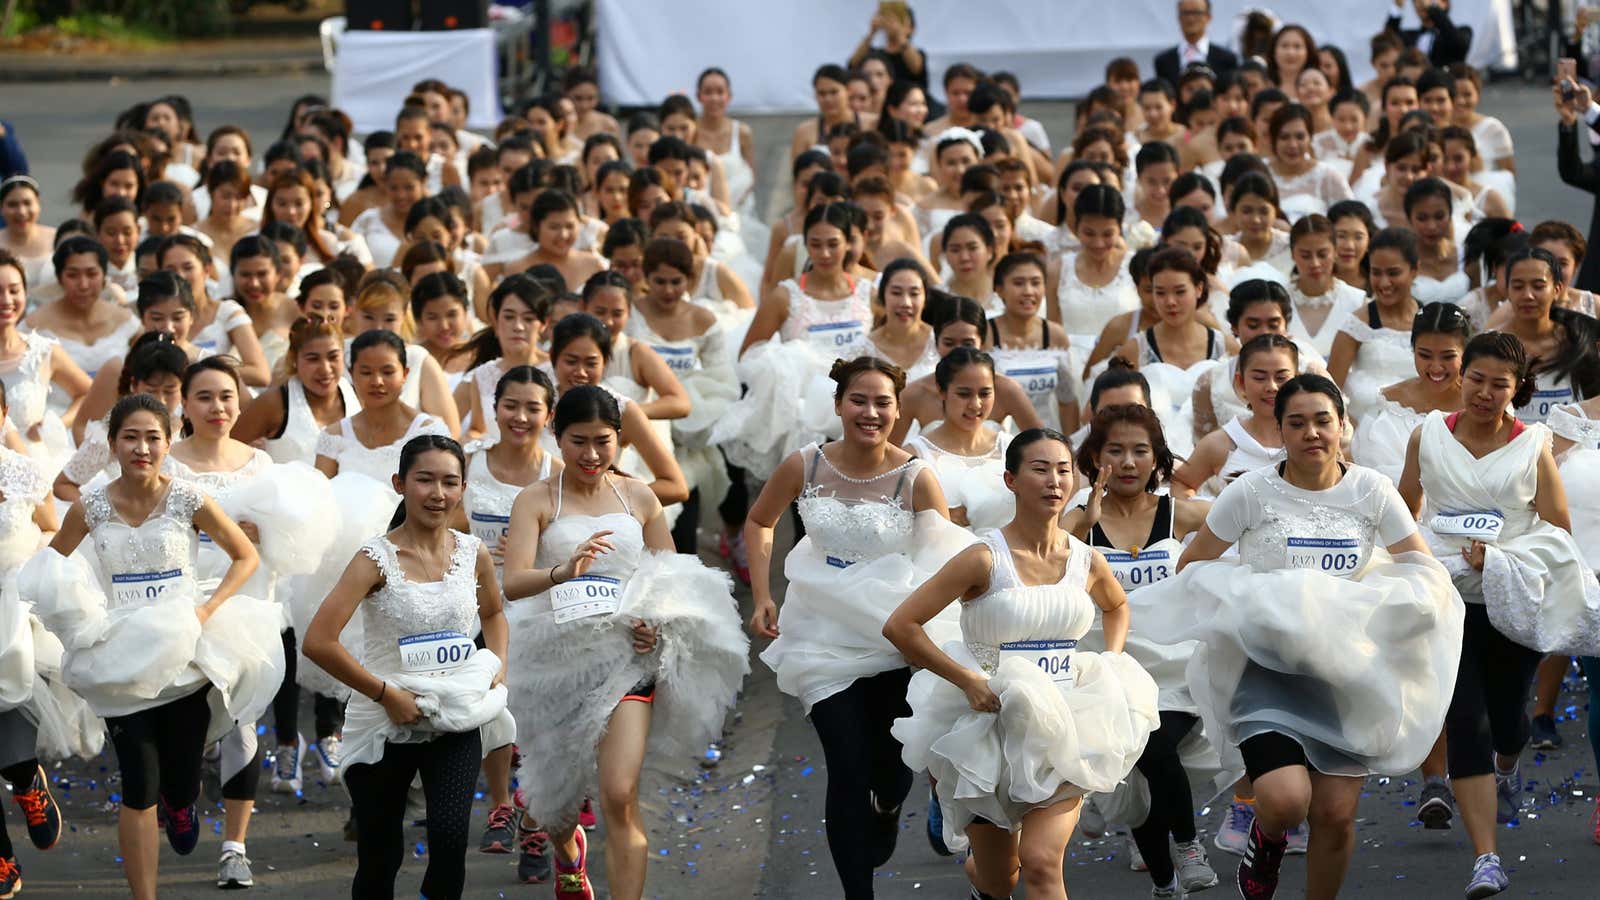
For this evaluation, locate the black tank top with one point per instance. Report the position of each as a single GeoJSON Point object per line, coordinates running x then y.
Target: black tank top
{"type": "Point", "coordinates": [1160, 527]}
{"type": "Point", "coordinates": [1150, 340]}
{"type": "Point", "coordinates": [994, 335]}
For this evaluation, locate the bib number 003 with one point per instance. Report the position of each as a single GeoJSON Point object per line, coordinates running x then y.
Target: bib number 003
{"type": "Point", "coordinates": [1335, 556]}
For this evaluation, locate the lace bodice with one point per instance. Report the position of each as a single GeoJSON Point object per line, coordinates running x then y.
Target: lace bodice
{"type": "Point", "coordinates": [1385, 353]}
{"type": "Point", "coordinates": [835, 327]}
{"type": "Point", "coordinates": [403, 607]}
{"type": "Point", "coordinates": [1340, 301]}
{"type": "Point", "coordinates": [1571, 423]}
{"type": "Point", "coordinates": [218, 485]}
{"type": "Point", "coordinates": [1285, 527]}
{"type": "Point", "coordinates": [707, 350]}
{"type": "Point", "coordinates": [341, 445]}
{"type": "Point", "coordinates": [163, 543]}
{"type": "Point", "coordinates": [1321, 181]}
{"type": "Point", "coordinates": [1085, 310]}
{"type": "Point", "coordinates": [23, 488]}
{"type": "Point", "coordinates": [91, 356]}
{"type": "Point", "coordinates": [1012, 611]}
{"type": "Point", "coordinates": [487, 499]}
{"type": "Point", "coordinates": [298, 442]}
{"type": "Point", "coordinates": [27, 381]}
{"type": "Point", "coordinates": [854, 519]}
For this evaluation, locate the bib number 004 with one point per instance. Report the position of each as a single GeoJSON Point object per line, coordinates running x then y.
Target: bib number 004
{"type": "Point", "coordinates": [1052, 657]}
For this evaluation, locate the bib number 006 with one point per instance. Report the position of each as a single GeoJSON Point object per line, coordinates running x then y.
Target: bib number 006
{"type": "Point", "coordinates": [585, 596]}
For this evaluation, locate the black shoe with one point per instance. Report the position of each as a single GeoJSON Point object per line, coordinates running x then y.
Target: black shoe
{"type": "Point", "coordinates": [1258, 872]}
{"type": "Point", "coordinates": [1437, 806]}
{"type": "Point", "coordinates": [533, 865]}
{"type": "Point", "coordinates": [935, 825]}
{"type": "Point", "coordinates": [183, 828]}
{"type": "Point", "coordinates": [1543, 734]}
{"type": "Point", "coordinates": [885, 831]}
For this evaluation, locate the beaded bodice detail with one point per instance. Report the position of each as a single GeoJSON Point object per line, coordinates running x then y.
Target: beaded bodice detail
{"type": "Point", "coordinates": [23, 487]}
{"type": "Point", "coordinates": [27, 388]}
{"type": "Point", "coordinates": [806, 310]}
{"type": "Point", "coordinates": [856, 519]}
{"type": "Point", "coordinates": [1012, 611]}
{"type": "Point", "coordinates": [1571, 423]}
{"type": "Point", "coordinates": [404, 607]}
{"type": "Point", "coordinates": [341, 445]}
{"type": "Point", "coordinates": [164, 541]}
{"type": "Point", "coordinates": [1086, 309]}
{"type": "Point", "coordinates": [1288, 513]}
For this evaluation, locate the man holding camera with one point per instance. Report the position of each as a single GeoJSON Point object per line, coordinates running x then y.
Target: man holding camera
{"type": "Point", "coordinates": [1574, 104]}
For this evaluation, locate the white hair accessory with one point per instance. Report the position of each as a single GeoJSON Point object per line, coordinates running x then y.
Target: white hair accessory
{"type": "Point", "coordinates": [957, 133]}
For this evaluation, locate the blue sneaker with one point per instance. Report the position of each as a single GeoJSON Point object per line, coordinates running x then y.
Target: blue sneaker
{"type": "Point", "coordinates": [936, 825]}
{"type": "Point", "coordinates": [1234, 835]}
{"type": "Point", "coordinates": [1488, 877]}
{"type": "Point", "coordinates": [183, 827]}
{"type": "Point", "coordinates": [1507, 790]}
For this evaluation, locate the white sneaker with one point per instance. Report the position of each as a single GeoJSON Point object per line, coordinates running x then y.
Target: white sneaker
{"type": "Point", "coordinates": [330, 757]}
{"type": "Point", "coordinates": [233, 871]}
{"type": "Point", "coordinates": [1091, 824]}
{"type": "Point", "coordinates": [1234, 835]}
{"type": "Point", "coordinates": [1194, 868]}
{"type": "Point", "coordinates": [1136, 861]}
{"type": "Point", "coordinates": [286, 767]}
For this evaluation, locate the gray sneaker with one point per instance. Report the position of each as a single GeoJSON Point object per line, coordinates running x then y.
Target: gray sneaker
{"type": "Point", "coordinates": [1508, 791]}
{"type": "Point", "coordinates": [233, 872]}
{"type": "Point", "coordinates": [1194, 868]}
{"type": "Point", "coordinates": [1436, 806]}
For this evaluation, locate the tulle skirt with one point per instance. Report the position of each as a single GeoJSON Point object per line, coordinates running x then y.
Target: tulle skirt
{"type": "Point", "coordinates": [124, 660]}
{"type": "Point", "coordinates": [710, 395]}
{"type": "Point", "coordinates": [1359, 671]}
{"type": "Point", "coordinates": [462, 700]}
{"type": "Point", "coordinates": [568, 678]}
{"type": "Point", "coordinates": [31, 685]}
{"type": "Point", "coordinates": [773, 418]}
{"type": "Point", "coordinates": [365, 505]}
{"type": "Point", "coordinates": [1048, 742]}
{"type": "Point", "coordinates": [830, 629]}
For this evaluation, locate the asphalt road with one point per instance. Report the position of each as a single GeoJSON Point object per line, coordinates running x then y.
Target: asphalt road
{"type": "Point", "coordinates": [753, 824]}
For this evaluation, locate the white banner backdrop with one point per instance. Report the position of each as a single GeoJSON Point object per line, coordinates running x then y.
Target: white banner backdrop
{"type": "Point", "coordinates": [375, 70]}
{"type": "Point", "coordinates": [1057, 48]}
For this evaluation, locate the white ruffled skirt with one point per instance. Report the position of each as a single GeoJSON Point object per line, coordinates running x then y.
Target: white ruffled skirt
{"type": "Point", "coordinates": [710, 395]}
{"type": "Point", "coordinates": [1048, 742]}
{"type": "Point", "coordinates": [774, 417]}
{"type": "Point", "coordinates": [31, 684]}
{"type": "Point", "coordinates": [124, 660]}
{"type": "Point", "coordinates": [568, 678]}
{"type": "Point", "coordinates": [462, 700]}
{"type": "Point", "coordinates": [1359, 671]}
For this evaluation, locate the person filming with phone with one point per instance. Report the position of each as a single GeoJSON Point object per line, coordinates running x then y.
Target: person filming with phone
{"type": "Point", "coordinates": [1574, 104]}
{"type": "Point", "coordinates": [896, 22]}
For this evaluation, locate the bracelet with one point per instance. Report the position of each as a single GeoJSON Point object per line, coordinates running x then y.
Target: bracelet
{"type": "Point", "coordinates": [381, 691]}
{"type": "Point", "coordinates": [553, 581]}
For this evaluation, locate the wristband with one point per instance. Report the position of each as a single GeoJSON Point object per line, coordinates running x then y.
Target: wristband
{"type": "Point", "coordinates": [381, 691]}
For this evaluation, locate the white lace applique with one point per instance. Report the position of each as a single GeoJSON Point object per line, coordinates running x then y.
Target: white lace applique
{"type": "Point", "coordinates": [403, 607]}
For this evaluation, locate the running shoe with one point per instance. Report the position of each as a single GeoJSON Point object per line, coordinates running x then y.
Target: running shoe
{"type": "Point", "coordinates": [330, 757]}
{"type": "Point", "coordinates": [1258, 871]}
{"type": "Point", "coordinates": [10, 879]}
{"type": "Point", "coordinates": [1437, 806]}
{"type": "Point", "coordinates": [1091, 822]}
{"type": "Point", "coordinates": [724, 546]}
{"type": "Point", "coordinates": [935, 824]}
{"type": "Point", "coordinates": [885, 831]}
{"type": "Point", "coordinates": [1194, 867]}
{"type": "Point", "coordinates": [1130, 848]}
{"type": "Point", "coordinates": [586, 819]}
{"type": "Point", "coordinates": [183, 827]}
{"type": "Point", "coordinates": [1594, 822]}
{"type": "Point", "coordinates": [1507, 791]}
{"type": "Point", "coordinates": [1298, 837]}
{"type": "Point", "coordinates": [1488, 877]}
{"type": "Point", "coordinates": [1235, 831]}
{"type": "Point", "coordinates": [233, 872]}
{"type": "Point", "coordinates": [1543, 734]}
{"type": "Point", "coordinates": [286, 767]}
{"type": "Point", "coordinates": [40, 810]}
{"type": "Point", "coordinates": [1170, 892]}
{"type": "Point", "coordinates": [572, 882]}
{"type": "Point", "coordinates": [533, 866]}
{"type": "Point", "coordinates": [500, 835]}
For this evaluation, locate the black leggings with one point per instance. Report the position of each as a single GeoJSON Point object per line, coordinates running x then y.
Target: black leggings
{"type": "Point", "coordinates": [329, 712]}
{"type": "Point", "coordinates": [862, 756]}
{"type": "Point", "coordinates": [244, 784]}
{"type": "Point", "coordinates": [686, 531]}
{"type": "Point", "coordinates": [19, 777]}
{"type": "Point", "coordinates": [449, 768]}
{"type": "Point", "coordinates": [159, 751]}
{"type": "Point", "coordinates": [1488, 713]}
{"type": "Point", "coordinates": [1171, 807]}
{"type": "Point", "coordinates": [736, 505]}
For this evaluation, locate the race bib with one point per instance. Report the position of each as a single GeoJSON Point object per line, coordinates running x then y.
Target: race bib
{"type": "Point", "coordinates": [435, 652]}
{"type": "Point", "coordinates": [1538, 409]}
{"type": "Point", "coordinates": [1038, 381]}
{"type": "Point", "coordinates": [831, 337]}
{"type": "Point", "coordinates": [678, 359]}
{"type": "Point", "coordinates": [1054, 658]}
{"type": "Point", "coordinates": [143, 588]}
{"type": "Point", "coordinates": [1137, 571]}
{"type": "Point", "coordinates": [489, 528]}
{"type": "Point", "coordinates": [836, 562]}
{"type": "Point", "coordinates": [1335, 556]}
{"type": "Point", "coordinates": [1477, 525]}
{"type": "Point", "coordinates": [585, 596]}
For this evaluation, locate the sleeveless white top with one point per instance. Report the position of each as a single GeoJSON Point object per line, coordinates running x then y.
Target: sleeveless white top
{"type": "Point", "coordinates": [341, 445]}
{"type": "Point", "coordinates": [1085, 310]}
{"type": "Point", "coordinates": [91, 356]}
{"type": "Point", "coordinates": [487, 499]}
{"type": "Point", "coordinates": [22, 487]}
{"type": "Point", "coordinates": [835, 327]}
{"type": "Point", "coordinates": [297, 442]}
{"type": "Point", "coordinates": [1012, 611]}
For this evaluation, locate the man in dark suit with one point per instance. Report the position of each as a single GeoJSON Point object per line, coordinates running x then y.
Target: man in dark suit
{"type": "Point", "coordinates": [1578, 111]}
{"type": "Point", "coordinates": [1194, 17]}
{"type": "Point", "coordinates": [1445, 42]}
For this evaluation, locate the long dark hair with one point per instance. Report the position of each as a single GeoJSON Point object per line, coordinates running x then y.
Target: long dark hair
{"type": "Point", "coordinates": [586, 403]}
{"type": "Point", "coordinates": [1126, 414]}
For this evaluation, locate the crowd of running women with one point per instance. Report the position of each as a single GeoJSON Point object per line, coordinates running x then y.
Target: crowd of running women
{"type": "Point", "coordinates": [1237, 442]}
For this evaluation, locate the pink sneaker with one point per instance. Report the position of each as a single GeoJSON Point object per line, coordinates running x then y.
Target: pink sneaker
{"type": "Point", "coordinates": [586, 818]}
